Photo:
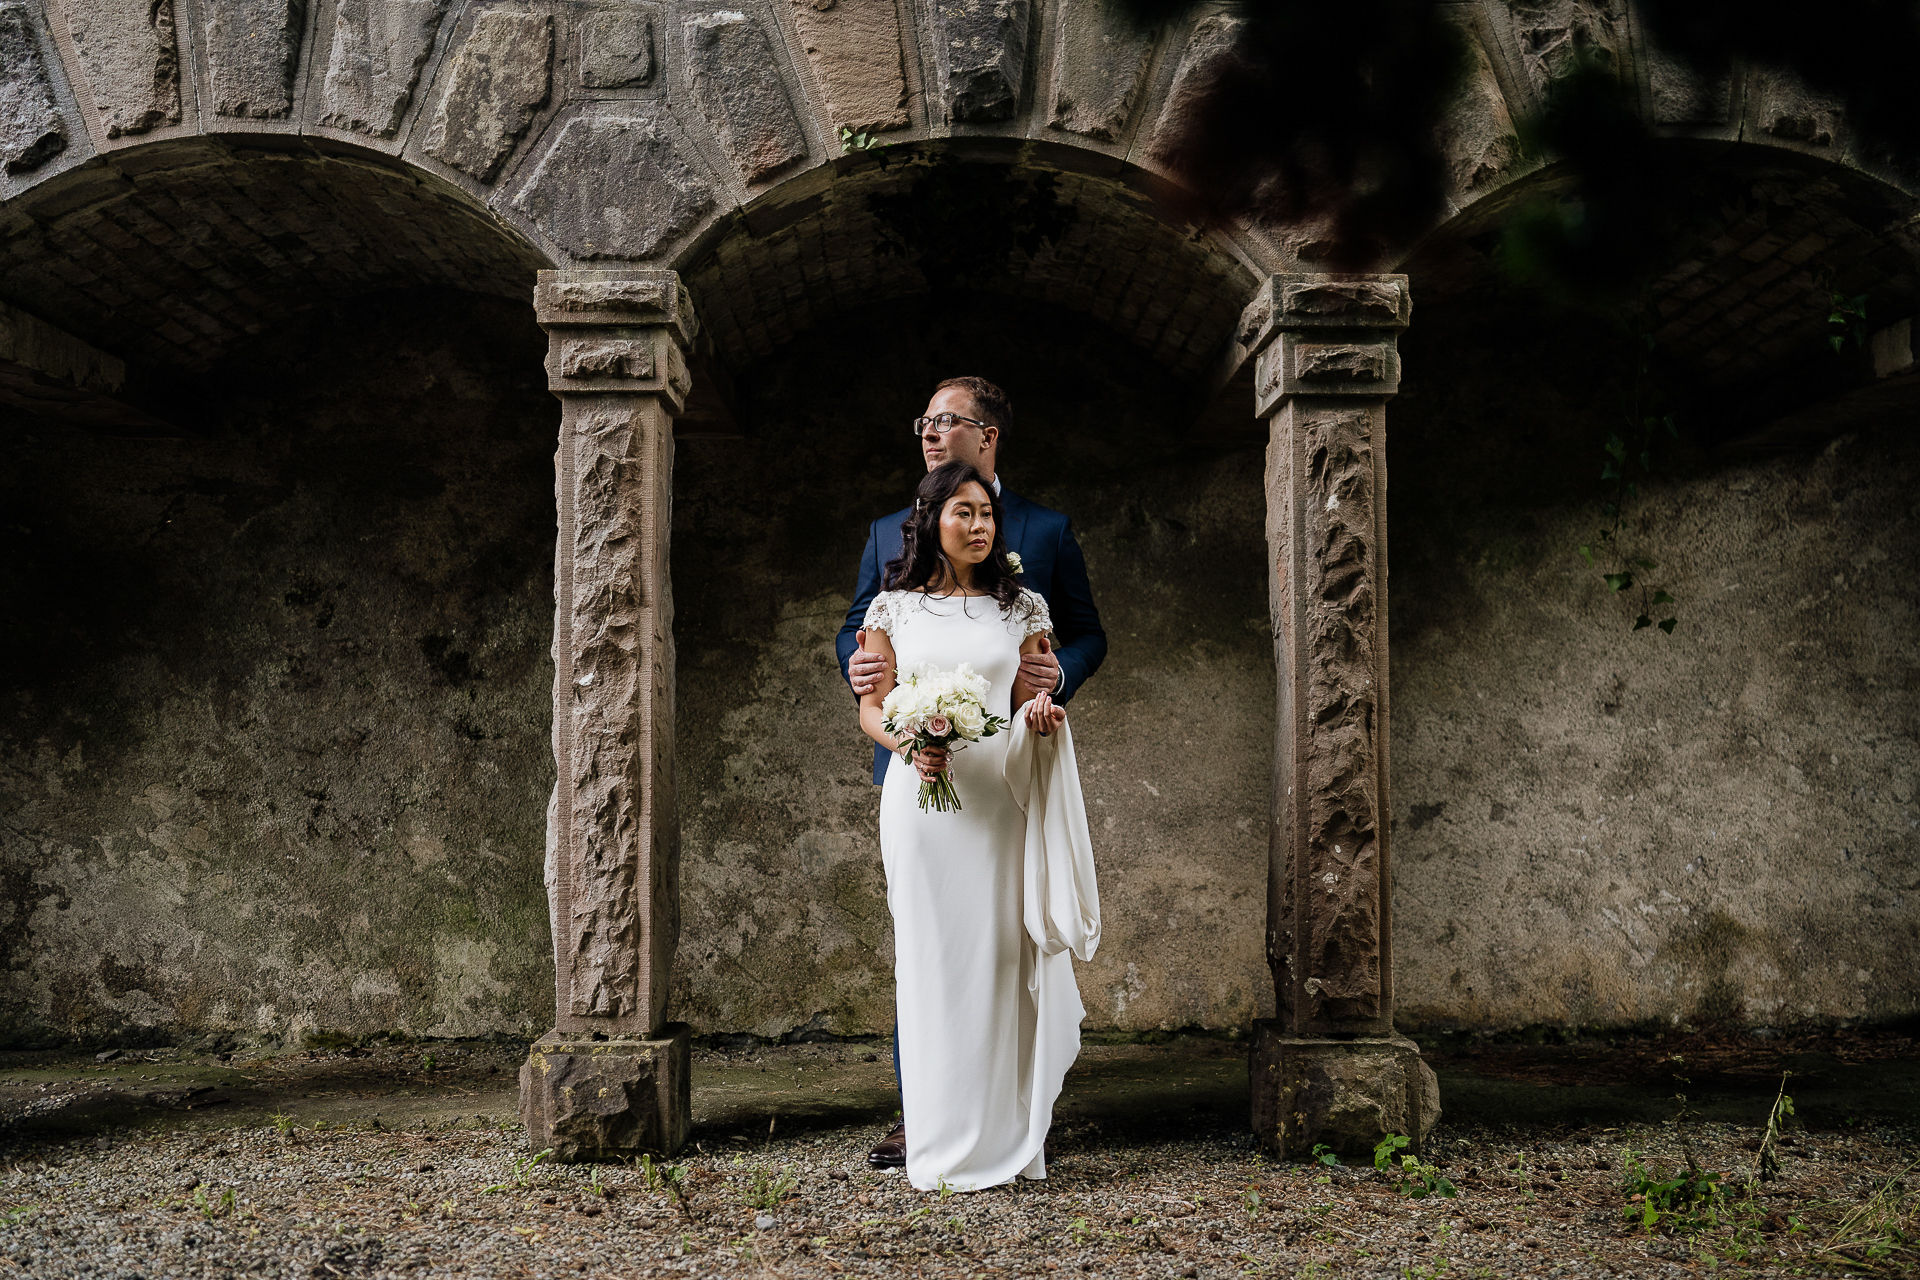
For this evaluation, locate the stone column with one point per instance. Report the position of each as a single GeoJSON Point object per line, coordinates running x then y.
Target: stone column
{"type": "Point", "coordinates": [1330, 1068]}
{"type": "Point", "coordinates": [610, 1079]}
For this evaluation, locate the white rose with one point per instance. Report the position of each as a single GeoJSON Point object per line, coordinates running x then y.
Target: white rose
{"type": "Point", "coordinates": [971, 721]}
{"type": "Point", "coordinates": [1013, 562]}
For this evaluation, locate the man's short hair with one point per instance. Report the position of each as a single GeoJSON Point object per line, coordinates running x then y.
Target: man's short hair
{"type": "Point", "coordinates": [992, 400]}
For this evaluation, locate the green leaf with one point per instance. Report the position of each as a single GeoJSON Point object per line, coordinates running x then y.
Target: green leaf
{"type": "Point", "coordinates": [1646, 460]}
{"type": "Point", "coordinates": [1661, 597]}
{"type": "Point", "coordinates": [1619, 581]}
{"type": "Point", "coordinates": [1837, 341]}
{"type": "Point", "coordinates": [1646, 564]}
{"type": "Point", "coordinates": [1671, 429]}
{"type": "Point", "coordinates": [1668, 625]}
{"type": "Point", "coordinates": [1608, 473]}
{"type": "Point", "coordinates": [1642, 621]}
{"type": "Point", "coordinates": [1587, 554]}
{"type": "Point", "coordinates": [1633, 490]}
{"type": "Point", "coordinates": [1617, 447]}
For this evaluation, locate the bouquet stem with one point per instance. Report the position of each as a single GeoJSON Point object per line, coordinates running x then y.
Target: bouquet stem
{"type": "Point", "coordinates": [939, 794]}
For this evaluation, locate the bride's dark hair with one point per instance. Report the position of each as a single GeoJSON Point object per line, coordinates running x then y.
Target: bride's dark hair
{"type": "Point", "coordinates": [922, 563]}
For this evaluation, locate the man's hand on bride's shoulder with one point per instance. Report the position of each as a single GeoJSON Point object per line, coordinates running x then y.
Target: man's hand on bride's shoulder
{"type": "Point", "coordinates": [1043, 717]}
{"type": "Point", "coordinates": [865, 668]}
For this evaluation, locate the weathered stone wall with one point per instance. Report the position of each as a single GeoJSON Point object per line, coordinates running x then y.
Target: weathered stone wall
{"type": "Point", "coordinates": [274, 752]}
{"type": "Point", "coordinates": [274, 737]}
{"type": "Point", "coordinates": [1595, 826]}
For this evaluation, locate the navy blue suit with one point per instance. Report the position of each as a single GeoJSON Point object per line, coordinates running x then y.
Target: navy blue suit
{"type": "Point", "coordinates": [1050, 564]}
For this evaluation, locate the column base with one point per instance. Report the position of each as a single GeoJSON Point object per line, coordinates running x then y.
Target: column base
{"type": "Point", "coordinates": [1347, 1094]}
{"type": "Point", "coordinates": [593, 1099]}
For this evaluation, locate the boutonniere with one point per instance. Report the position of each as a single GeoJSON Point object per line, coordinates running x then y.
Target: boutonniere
{"type": "Point", "coordinates": [1013, 562]}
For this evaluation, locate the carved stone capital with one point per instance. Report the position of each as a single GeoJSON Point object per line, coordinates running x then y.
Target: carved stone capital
{"type": "Point", "coordinates": [621, 331]}
{"type": "Point", "coordinates": [619, 297]}
{"type": "Point", "coordinates": [1317, 335]}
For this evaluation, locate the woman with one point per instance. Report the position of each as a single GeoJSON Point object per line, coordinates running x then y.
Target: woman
{"type": "Point", "coordinates": [989, 901]}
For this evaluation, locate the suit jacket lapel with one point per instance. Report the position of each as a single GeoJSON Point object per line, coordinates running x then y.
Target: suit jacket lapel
{"type": "Point", "coordinates": [1014, 507]}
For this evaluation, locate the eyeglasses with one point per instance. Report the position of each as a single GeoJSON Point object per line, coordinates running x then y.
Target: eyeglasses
{"type": "Point", "coordinates": [944, 422]}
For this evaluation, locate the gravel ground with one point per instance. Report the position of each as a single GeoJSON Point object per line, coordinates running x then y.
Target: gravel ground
{"type": "Point", "coordinates": [405, 1159]}
{"type": "Point", "coordinates": [467, 1201]}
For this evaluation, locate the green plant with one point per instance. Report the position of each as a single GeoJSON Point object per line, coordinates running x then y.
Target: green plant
{"type": "Point", "coordinates": [865, 140]}
{"type": "Point", "coordinates": [1883, 1232]}
{"type": "Point", "coordinates": [1766, 1162]}
{"type": "Point", "coordinates": [1849, 316]}
{"type": "Point", "coordinates": [1686, 1199]}
{"type": "Point", "coordinates": [211, 1207]}
{"type": "Point", "coordinates": [767, 1190]}
{"type": "Point", "coordinates": [428, 1062]}
{"type": "Point", "coordinates": [1325, 1155]}
{"type": "Point", "coordinates": [522, 1176]}
{"type": "Point", "coordinates": [1413, 1177]}
{"type": "Point", "coordinates": [1250, 1201]}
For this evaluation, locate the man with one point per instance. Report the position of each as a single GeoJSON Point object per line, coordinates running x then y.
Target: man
{"type": "Point", "coordinates": [965, 420]}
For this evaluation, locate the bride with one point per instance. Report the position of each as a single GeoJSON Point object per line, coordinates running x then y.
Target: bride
{"type": "Point", "coordinates": [990, 901]}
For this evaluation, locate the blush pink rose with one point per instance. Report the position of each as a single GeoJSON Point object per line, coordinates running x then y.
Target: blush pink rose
{"type": "Point", "coordinates": [939, 726]}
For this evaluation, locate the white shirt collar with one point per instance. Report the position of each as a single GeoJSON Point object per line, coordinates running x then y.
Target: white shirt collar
{"type": "Point", "coordinates": [995, 482]}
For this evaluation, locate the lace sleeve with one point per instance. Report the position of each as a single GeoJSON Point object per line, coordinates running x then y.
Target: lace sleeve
{"type": "Point", "coordinates": [880, 613]}
{"type": "Point", "coordinates": [1037, 619]}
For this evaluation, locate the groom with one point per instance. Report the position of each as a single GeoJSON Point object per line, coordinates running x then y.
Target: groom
{"type": "Point", "coordinates": [965, 421]}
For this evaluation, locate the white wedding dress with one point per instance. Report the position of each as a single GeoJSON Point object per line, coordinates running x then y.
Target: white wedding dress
{"type": "Point", "coordinates": [989, 903]}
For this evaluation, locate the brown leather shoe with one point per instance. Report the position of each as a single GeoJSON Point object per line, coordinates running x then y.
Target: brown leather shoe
{"type": "Point", "coordinates": [891, 1153]}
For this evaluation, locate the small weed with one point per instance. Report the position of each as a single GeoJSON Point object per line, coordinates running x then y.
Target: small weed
{"type": "Point", "coordinates": [428, 1062]}
{"type": "Point", "coordinates": [211, 1207]}
{"type": "Point", "coordinates": [768, 1189]}
{"type": "Point", "coordinates": [522, 1176]}
{"type": "Point", "coordinates": [594, 1186]}
{"type": "Point", "coordinates": [21, 1212]}
{"type": "Point", "coordinates": [1413, 1177]}
{"type": "Point", "coordinates": [1686, 1199]}
{"type": "Point", "coordinates": [1324, 1154]}
{"type": "Point", "coordinates": [1882, 1233]}
{"type": "Point", "coordinates": [1766, 1164]}
{"type": "Point", "coordinates": [1251, 1202]}
{"type": "Point", "coordinates": [864, 141]}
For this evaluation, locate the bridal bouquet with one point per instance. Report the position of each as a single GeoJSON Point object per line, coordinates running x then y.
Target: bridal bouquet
{"type": "Point", "coordinates": [935, 708]}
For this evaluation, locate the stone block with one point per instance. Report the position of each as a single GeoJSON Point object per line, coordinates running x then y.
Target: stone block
{"type": "Point", "coordinates": [853, 47]}
{"type": "Point", "coordinates": [616, 48]}
{"type": "Point", "coordinates": [1892, 349]}
{"type": "Point", "coordinates": [30, 128]}
{"type": "Point", "coordinates": [1209, 53]}
{"type": "Point", "coordinates": [131, 56]}
{"type": "Point", "coordinates": [615, 187]}
{"type": "Point", "coordinates": [378, 49]}
{"type": "Point", "coordinates": [1680, 94]}
{"type": "Point", "coordinates": [500, 78]}
{"type": "Point", "coordinates": [981, 49]}
{"type": "Point", "coordinates": [1099, 69]}
{"type": "Point", "coordinates": [1477, 135]}
{"type": "Point", "coordinates": [589, 1099]}
{"type": "Point", "coordinates": [1347, 1094]}
{"type": "Point", "coordinates": [253, 49]}
{"type": "Point", "coordinates": [737, 81]}
{"type": "Point", "coordinates": [1553, 34]}
{"type": "Point", "coordinates": [1787, 109]}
